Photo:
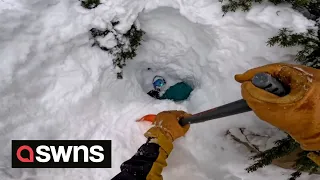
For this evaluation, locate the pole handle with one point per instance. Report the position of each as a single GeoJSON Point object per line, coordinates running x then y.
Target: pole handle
{"type": "Point", "coordinates": [267, 82]}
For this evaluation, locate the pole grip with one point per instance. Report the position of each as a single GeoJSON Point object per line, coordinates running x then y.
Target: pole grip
{"type": "Point", "coordinates": [267, 82]}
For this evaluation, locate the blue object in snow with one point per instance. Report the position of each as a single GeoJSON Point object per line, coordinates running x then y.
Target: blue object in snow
{"type": "Point", "coordinates": [158, 82]}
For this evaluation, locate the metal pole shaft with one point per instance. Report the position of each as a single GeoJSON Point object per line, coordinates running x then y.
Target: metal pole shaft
{"type": "Point", "coordinates": [230, 109]}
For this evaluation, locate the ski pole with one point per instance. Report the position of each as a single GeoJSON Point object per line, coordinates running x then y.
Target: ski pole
{"type": "Point", "coordinates": [261, 80]}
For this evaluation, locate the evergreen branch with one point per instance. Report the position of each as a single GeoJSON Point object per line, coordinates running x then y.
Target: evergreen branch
{"type": "Point", "coordinates": [126, 47]}
{"type": "Point", "coordinates": [287, 38]}
{"type": "Point", "coordinates": [282, 148]}
{"type": "Point", "coordinates": [309, 42]}
{"type": "Point", "coordinates": [305, 164]}
{"type": "Point", "coordinates": [90, 4]}
{"type": "Point", "coordinates": [295, 175]}
{"type": "Point", "coordinates": [245, 5]}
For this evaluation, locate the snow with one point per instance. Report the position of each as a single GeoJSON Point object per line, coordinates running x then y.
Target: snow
{"type": "Point", "coordinates": [300, 69]}
{"type": "Point", "coordinates": [269, 16]}
{"type": "Point", "coordinates": [108, 41]}
{"type": "Point", "coordinates": [309, 77]}
{"type": "Point", "coordinates": [54, 85]}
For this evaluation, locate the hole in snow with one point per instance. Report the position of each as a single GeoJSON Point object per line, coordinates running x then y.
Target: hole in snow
{"type": "Point", "coordinates": [165, 83]}
{"type": "Point", "coordinates": [174, 48]}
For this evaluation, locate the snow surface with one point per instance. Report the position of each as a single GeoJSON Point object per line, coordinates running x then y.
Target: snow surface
{"type": "Point", "coordinates": [54, 85]}
{"type": "Point", "coordinates": [108, 41]}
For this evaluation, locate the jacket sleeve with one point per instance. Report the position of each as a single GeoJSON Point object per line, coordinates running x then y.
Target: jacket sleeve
{"type": "Point", "coordinates": [147, 163]}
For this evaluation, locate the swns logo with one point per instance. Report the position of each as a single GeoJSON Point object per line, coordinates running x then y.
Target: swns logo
{"type": "Point", "coordinates": [61, 154]}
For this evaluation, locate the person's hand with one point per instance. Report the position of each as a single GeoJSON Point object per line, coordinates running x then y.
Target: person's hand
{"type": "Point", "coordinates": [167, 123]}
{"type": "Point", "coordinates": [297, 113]}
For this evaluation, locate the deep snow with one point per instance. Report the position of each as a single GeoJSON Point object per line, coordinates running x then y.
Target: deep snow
{"type": "Point", "coordinates": [54, 85]}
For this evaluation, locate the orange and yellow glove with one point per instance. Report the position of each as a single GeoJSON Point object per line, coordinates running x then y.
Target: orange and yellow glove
{"type": "Point", "coordinates": [165, 130]}
{"type": "Point", "coordinates": [297, 113]}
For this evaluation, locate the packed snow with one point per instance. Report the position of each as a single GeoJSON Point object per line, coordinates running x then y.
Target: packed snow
{"type": "Point", "coordinates": [108, 41]}
{"type": "Point", "coordinates": [55, 85]}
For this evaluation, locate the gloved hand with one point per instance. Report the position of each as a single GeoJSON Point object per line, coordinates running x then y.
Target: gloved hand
{"type": "Point", "coordinates": [166, 129]}
{"type": "Point", "coordinates": [297, 113]}
{"type": "Point", "coordinates": [167, 123]}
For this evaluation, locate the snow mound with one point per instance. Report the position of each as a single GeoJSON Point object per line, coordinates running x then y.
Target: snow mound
{"type": "Point", "coordinates": [54, 85]}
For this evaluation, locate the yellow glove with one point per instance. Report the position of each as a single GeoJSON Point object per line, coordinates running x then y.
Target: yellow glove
{"type": "Point", "coordinates": [297, 113]}
{"type": "Point", "coordinates": [166, 129]}
{"type": "Point", "coordinates": [314, 157]}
